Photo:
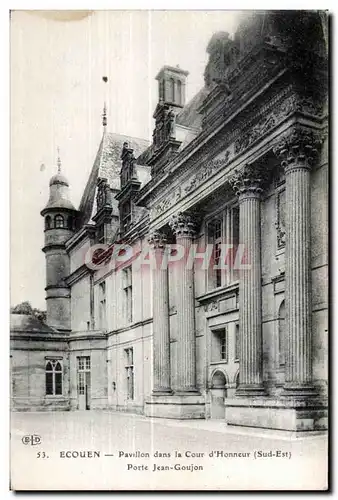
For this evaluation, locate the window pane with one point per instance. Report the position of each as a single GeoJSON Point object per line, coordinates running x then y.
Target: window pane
{"type": "Point", "coordinates": [49, 383]}
{"type": "Point", "coordinates": [87, 363]}
{"type": "Point", "coordinates": [58, 383]}
{"type": "Point", "coordinates": [58, 367]}
{"type": "Point", "coordinates": [49, 366]}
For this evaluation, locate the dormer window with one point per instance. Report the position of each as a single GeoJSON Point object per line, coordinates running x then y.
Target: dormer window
{"type": "Point", "coordinates": [126, 216]}
{"type": "Point", "coordinates": [59, 221]}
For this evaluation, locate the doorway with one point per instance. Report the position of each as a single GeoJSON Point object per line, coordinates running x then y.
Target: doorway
{"type": "Point", "coordinates": [218, 394]}
{"type": "Point", "coordinates": [84, 382]}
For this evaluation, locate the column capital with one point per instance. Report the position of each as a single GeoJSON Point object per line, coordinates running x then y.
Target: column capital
{"type": "Point", "coordinates": [157, 239]}
{"type": "Point", "coordinates": [247, 182]}
{"type": "Point", "coordinates": [183, 225]}
{"type": "Point", "coordinates": [298, 148]}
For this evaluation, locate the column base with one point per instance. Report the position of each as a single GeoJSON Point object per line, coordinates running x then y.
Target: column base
{"type": "Point", "coordinates": [299, 391]}
{"type": "Point", "coordinates": [250, 390]}
{"type": "Point", "coordinates": [282, 414]}
{"type": "Point", "coordinates": [161, 392]}
{"type": "Point", "coordinates": [179, 406]}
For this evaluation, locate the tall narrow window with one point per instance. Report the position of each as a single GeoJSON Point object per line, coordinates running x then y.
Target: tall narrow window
{"type": "Point", "coordinates": [53, 377]}
{"type": "Point", "coordinates": [126, 216]}
{"type": "Point", "coordinates": [220, 345]}
{"type": "Point", "coordinates": [102, 306]}
{"type": "Point", "coordinates": [48, 221]}
{"type": "Point", "coordinates": [129, 367]}
{"type": "Point", "coordinates": [237, 343]}
{"type": "Point", "coordinates": [59, 221]}
{"type": "Point", "coordinates": [223, 234]}
{"type": "Point", "coordinates": [128, 294]}
{"type": "Point", "coordinates": [171, 90]}
{"type": "Point", "coordinates": [281, 334]}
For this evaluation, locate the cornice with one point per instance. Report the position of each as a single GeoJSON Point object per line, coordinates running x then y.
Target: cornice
{"type": "Point", "coordinates": [78, 274]}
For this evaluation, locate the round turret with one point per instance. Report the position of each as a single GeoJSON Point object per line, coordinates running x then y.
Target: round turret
{"type": "Point", "coordinates": [60, 224]}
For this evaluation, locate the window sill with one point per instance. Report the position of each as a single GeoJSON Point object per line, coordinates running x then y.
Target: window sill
{"type": "Point", "coordinates": [54, 396]}
{"type": "Point", "coordinates": [221, 362]}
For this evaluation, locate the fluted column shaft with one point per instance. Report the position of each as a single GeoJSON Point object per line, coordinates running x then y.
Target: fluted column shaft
{"type": "Point", "coordinates": [247, 185]}
{"type": "Point", "coordinates": [161, 327]}
{"type": "Point", "coordinates": [182, 226]}
{"type": "Point", "coordinates": [298, 370]}
{"type": "Point", "coordinates": [297, 150]}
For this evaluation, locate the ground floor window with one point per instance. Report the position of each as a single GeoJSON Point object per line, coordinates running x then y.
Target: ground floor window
{"type": "Point", "coordinates": [129, 370]}
{"type": "Point", "coordinates": [53, 377]}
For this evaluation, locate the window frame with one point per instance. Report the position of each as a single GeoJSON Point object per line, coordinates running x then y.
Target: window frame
{"type": "Point", "coordinates": [217, 279]}
{"type": "Point", "coordinates": [130, 374]}
{"type": "Point", "coordinates": [58, 219]}
{"type": "Point", "coordinates": [127, 285]}
{"type": "Point", "coordinates": [55, 373]}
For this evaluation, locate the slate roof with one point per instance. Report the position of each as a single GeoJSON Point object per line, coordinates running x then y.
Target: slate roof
{"type": "Point", "coordinates": [107, 165]}
{"type": "Point", "coordinates": [189, 117]}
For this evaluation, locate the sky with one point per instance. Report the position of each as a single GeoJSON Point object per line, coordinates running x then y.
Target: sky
{"type": "Point", "coordinates": [58, 59]}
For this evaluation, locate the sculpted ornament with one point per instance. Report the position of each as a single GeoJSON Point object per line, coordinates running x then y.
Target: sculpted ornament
{"type": "Point", "coordinates": [157, 239]}
{"type": "Point", "coordinates": [298, 147]}
{"type": "Point", "coordinates": [183, 225]}
{"type": "Point", "coordinates": [248, 180]}
{"type": "Point", "coordinates": [207, 170]}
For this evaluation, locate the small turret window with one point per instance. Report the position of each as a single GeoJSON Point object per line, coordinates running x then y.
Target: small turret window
{"type": "Point", "coordinates": [48, 222]}
{"type": "Point", "coordinates": [59, 221]}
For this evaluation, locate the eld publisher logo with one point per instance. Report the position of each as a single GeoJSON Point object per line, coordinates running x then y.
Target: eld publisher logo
{"type": "Point", "coordinates": [31, 439]}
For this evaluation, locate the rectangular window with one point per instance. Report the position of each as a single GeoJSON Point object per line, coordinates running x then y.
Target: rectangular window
{"type": "Point", "coordinates": [125, 216]}
{"type": "Point", "coordinates": [102, 306]}
{"type": "Point", "coordinates": [128, 293]}
{"type": "Point", "coordinates": [220, 345]}
{"type": "Point", "coordinates": [237, 342]}
{"type": "Point", "coordinates": [129, 370]}
{"type": "Point", "coordinates": [223, 234]}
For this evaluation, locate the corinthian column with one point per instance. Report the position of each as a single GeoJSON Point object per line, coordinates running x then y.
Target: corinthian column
{"type": "Point", "coordinates": [297, 150]}
{"type": "Point", "coordinates": [183, 227]}
{"type": "Point", "coordinates": [247, 185]}
{"type": "Point", "coordinates": [161, 329]}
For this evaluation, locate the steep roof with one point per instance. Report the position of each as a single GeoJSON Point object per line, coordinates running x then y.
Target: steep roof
{"type": "Point", "coordinates": [189, 117]}
{"type": "Point", "coordinates": [27, 323]}
{"type": "Point", "coordinates": [107, 165]}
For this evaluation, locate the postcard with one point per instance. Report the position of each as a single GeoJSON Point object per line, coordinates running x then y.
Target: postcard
{"type": "Point", "coordinates": [169, 229]}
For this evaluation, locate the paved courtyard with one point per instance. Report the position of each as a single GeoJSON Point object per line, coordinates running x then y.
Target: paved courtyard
{"type": "Point", "coordinates": [107, 450]}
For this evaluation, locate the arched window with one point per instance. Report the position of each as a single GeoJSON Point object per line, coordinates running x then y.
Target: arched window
{"type": "Point", "coordinates": [281, 334]}
{"type": "Point", "coordinates": [179, 93]}
{"type": "Point", "coordinates": [171, 90]}
{"type": "Point", "coordinates": [53, 378]}
{"type": "Point", "coordinates": [59, 221]}
{"type": "Point", "coordinates": [48, 222]}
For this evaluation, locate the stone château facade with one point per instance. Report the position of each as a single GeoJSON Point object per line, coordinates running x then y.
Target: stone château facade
{"type": "Point", "coordinates": [244, 163]}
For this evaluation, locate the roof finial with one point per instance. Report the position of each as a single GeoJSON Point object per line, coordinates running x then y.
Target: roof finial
{"type": "Point", "coordinates": [58, 162]}
{"type": "Point", "coordinates": [104, 114]}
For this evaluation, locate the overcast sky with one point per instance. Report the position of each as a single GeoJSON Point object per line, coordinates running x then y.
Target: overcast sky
{"type": "Point", "coordinates": [57, 94]}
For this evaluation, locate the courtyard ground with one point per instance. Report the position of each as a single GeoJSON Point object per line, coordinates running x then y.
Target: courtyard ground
{"type": "Point", "coordinates": [89, 450]}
